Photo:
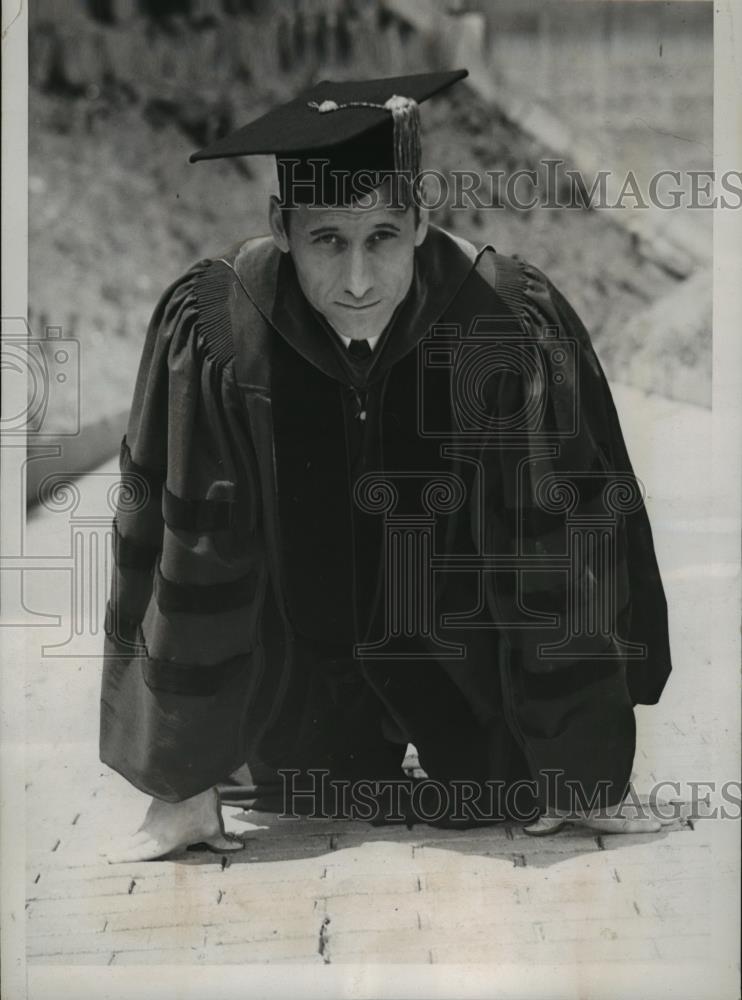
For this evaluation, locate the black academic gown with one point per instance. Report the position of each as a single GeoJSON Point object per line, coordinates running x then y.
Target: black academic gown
{"type": "Point", "coordinates": [279, 499]}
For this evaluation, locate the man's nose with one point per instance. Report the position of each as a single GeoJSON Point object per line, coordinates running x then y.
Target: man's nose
{"type": "Point", "coordinates": [358, 279]}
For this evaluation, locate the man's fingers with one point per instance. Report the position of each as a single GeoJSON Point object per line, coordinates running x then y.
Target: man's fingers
{"type": "Point", "coordinates": [145, 847]}
{"type": "Point", "coordinates": [544, 826]}
{"type": "Point", "coordinates": [617, 824]}
{"type": "Point", "coordinates": [146, 850]}
{"type": "Point", "coordinates": [225, 844]}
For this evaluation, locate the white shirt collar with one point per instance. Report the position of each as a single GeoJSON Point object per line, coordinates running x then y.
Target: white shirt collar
{"type": "Point", "coordinates": [371, 341]}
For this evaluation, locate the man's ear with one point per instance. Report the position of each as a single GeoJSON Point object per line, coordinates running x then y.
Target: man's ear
{"type": "Point", "coordinates": [422, 225]}
{"type": "Point", "coordinates": [275, 221]}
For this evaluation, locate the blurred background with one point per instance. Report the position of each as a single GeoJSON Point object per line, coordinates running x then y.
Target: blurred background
{"type": "Point", "coordinates": [122, 91]}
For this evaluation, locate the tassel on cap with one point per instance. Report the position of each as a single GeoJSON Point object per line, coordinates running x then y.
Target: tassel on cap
{"type": "Point", "coordinates": [405, 114]}
{"type": "Point", "coordinates": [407, 148]}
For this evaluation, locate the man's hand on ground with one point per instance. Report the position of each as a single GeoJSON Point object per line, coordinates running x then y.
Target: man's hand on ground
{"type": "Point", "coordinates": [614, 819]}
{"type": "Point", "coordinates": [173, 826]}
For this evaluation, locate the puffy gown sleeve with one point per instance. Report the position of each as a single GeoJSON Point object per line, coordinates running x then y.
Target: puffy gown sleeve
{"type": "Point", "coordinates": [576, 475]}
{"type": "Point", "coordinates": [182, 660]}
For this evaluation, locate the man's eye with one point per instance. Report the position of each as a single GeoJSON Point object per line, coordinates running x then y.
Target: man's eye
{"type": "Point", "coordinates": [383, 234]}
{"type": "Point", "coordinates": [329, 239]}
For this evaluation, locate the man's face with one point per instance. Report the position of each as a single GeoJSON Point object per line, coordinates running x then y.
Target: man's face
{"type": "Point", "coordinates": [354, 264]}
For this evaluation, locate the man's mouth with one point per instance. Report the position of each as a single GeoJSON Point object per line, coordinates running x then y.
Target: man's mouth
{"type": "Point", "coordinates": [368, 305]}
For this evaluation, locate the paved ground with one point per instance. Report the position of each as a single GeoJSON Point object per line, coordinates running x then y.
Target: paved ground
{"type": "Point", "coordinates": [329, 893]}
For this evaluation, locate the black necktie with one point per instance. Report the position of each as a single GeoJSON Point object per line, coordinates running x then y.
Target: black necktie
{"type": "Point", "coordinates": [359, 350]}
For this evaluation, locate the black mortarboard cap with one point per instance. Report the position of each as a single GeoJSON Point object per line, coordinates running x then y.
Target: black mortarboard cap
{"type": "Point", "coordinates": [348, 126]}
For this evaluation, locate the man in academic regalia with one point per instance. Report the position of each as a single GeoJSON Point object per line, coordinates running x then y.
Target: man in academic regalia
{"type": "Point", "coordinates": [380, 495]}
